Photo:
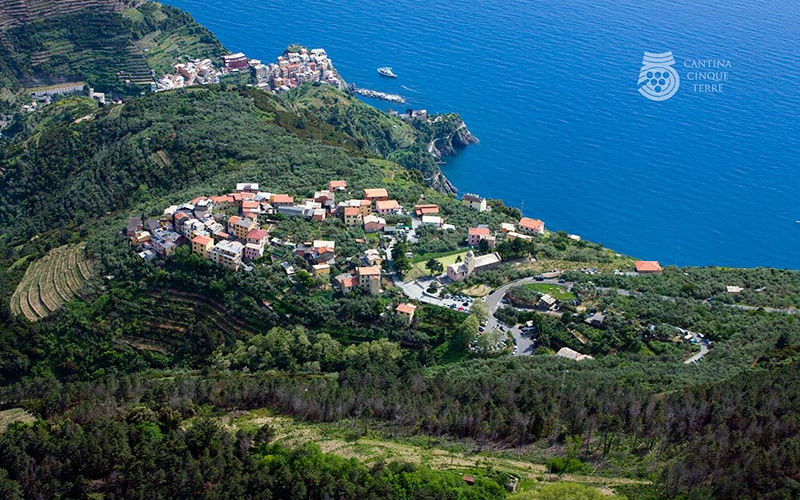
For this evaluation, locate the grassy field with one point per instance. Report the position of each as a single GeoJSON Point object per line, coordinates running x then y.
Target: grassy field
{"type": "Point", "coordinates": [351, 440]}
{"type": "Point", "coordinates": [559, 292]}
{"type": "Point", "coordinates": [418, 268]}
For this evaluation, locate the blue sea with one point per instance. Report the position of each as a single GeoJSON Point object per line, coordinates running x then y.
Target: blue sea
{"type": "Point", "coordinates": [550, 89]}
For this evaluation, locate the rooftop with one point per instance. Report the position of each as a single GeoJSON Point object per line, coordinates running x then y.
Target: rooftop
{"type": "Point", "coordinates": [406, 308]}
{"type": "Point", "coordinates": [202, 240]}
{"type": "Point", "coordinates": [479, 231]}
{"type": "Point", "coordinates": [647, 266]}
{"type": "Point", "coordinates": [369, 271]}
{"type": "Point", "coordinates": [532, 224]}
{"type": "Point", "coordinates": [375, 193]}
{"type": "Point", "coordinates": [387, 205]}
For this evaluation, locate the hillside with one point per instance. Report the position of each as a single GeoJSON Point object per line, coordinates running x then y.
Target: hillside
{"type": "Point", "coordinates": [411, 144]}
{"type": "Point", "coordinates": [113, 45]}
{"type": "Point", "coordinates": [175, 377]}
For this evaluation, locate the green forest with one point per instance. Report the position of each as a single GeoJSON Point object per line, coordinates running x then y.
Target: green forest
{"type": "Point", "coordinates": [132, 389]}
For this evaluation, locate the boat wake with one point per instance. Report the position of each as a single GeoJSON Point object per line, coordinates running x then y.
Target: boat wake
{"type": "Point", "coordinates": [410, 89]}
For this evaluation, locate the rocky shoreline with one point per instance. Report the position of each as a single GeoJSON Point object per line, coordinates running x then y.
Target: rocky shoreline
{"type": "Point", "coordinates": [449, 145]}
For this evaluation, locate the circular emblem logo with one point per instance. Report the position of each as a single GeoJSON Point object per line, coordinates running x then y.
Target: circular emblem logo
{"type": "Point", "coordinates": [658, 80]}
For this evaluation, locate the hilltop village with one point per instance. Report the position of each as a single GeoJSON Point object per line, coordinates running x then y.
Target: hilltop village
{"type": "Point", "coordinates": [295, 66]}
{"type": "Point", "coordinates": [233, 231]}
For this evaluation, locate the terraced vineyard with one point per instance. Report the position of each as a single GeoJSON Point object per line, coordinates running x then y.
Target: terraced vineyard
{"type": "Point", "coordinates": [51, 281]}
{"type": "Point", "coordinates": [172, 314]}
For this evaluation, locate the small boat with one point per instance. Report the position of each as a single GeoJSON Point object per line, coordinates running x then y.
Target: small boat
{"type": "Point", "coordinates": [387, 71]}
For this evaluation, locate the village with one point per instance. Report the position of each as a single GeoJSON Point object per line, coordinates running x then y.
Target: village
{"type": "Point", "coordinates": [295, 66]}
{"type": "Point", "coordinates": [233, 231]}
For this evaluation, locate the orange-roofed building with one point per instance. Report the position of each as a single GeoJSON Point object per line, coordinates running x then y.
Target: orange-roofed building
{"type": "Point", "coordinates": [347, 282]}
{"type": "Point", "coordinates": [648, 266]}
{"type": "Point", "coordinates": [388, 207]}
{"type": "Point", "coordinates": [202, 245]}
{"type": "Point", "coordinates": [281, 200]}
{"type": "Point", "coordinates": [430, 209]}
{"type": "Point", "coordinates": [250, 206]}
{"type": "Point", "coordinates": [352, 216]}
{"type": "Point", "coordinates": [530, 226]}
{"type": "Point", "coordinates": [338, 185]}
{"type": "Point", "coordinates": [222, 201]}
{"type": "Point", "coordinates": [369, 279]}
{"type": "Point", "coordinates": [376, 194]}
{"type": "Point", "coordinates": [476, 234]}
{"type": "Point", "coordinates": [406, 310]}
{"type": "Point", "coordinates": [257, 236]}
{"type": "Point", "coordinates": [243, 196]}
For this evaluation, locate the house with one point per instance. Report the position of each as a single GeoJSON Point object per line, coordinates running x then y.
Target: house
{"type": "Point", "coordinates": [421, 210]}
{"type": "Point", "coordinates": [432, 220]}
{"type": "Point", "coordinates": [257, 236]}
{"type": "Point", "coordinates": [647, 266]}
{"type": "Point", "coordinates": [253, 251]}
{"type": "Point", "coordinates": [242, 227]}
{"type": "Point", "coordinates": [733, 289]}
{"type": "Point", "coordinates": [223, 201]}
{"type": "Point", "coordinates": [338, 185]}
{"type": "Point", "coordinates": [281, 200]}
{"type": "Point", "coordinates": [202, 206]}
{"type": "Point", "coordinates": [547, 302]}
{"type": "Point", "coordinates": [134, 224]}
{"type": "Point", "coordinates": [202, 245]}
{"type": "Point", "coordinates": [322, 251]}
{"type": "Point", "coordinates": [250, 187]}
{"type": "Point", "coordinates": [596, 319]}
{"type": "Point", "coordinates": [288, 268]}
{"type": "Point", "coordinates": [147, 255]}
{"type": "Point", "coordinates": [318, 214]}
{"type": "Point", "coordinates": [227, 254]}
{"type": "Point", "coordinates": [513, 235]}
{"type": "Point", "coordinates": [352, 216]}
{"type": "Point", "coordinates": [371, 257]}
{"type": "Point", "coordinates": [530, 226]}
{"type": "Point", "coordinates": [346, 282]}
{"type": "Point", "coordinates": [388, 207]}
{"type": "Point", "coordinates": [474, 202]}
{"type": "Point", "coordinates": [295, 211]}
{"type": "Point", "coordinates": [325, 198]}
{"type": "Point", "coordinates": [369, 279]}
{"type": "Point", "coordinates": [505, 227]}
{"type": "Point", "coordinates": [476, 234]}
{"type": "Point", "coordinates": [141, 237]}
{"type": "Point", "coordinates": [236, 61]}
{"type": "Point", "coordinates": [472, 264]}
{"type": "Point", "coordinates": [321, 270]}
{"type": "Point", "coordinates": [365, 206]}
{"type": "Point", "coordinates": [407, 311]}
{"type": "Point", "coordinates": [376, 194]}
{"type": "Point", "coordinates": [193, 227]}
{"type": "Point", "coordinates": [251, 206]}
{"type": "Point", "coordinates": [373, 223]}
{"type": "Point", "coordinates": [566, 352]}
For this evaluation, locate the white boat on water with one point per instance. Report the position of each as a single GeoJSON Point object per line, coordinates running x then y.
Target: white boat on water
{"type": "Point", "coordinates": [386, 71]}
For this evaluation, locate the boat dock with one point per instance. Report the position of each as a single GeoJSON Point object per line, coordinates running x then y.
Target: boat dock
{"type": "Point", "coordinates": [377, 95]}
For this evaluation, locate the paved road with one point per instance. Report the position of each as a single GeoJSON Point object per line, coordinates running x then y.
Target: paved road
{"type": "Point", "coordinates": [525, 343]}
{"type": "Point", "coordinates": [702, 342]}
{"type": "Point", "coordinates": [703, 351]}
